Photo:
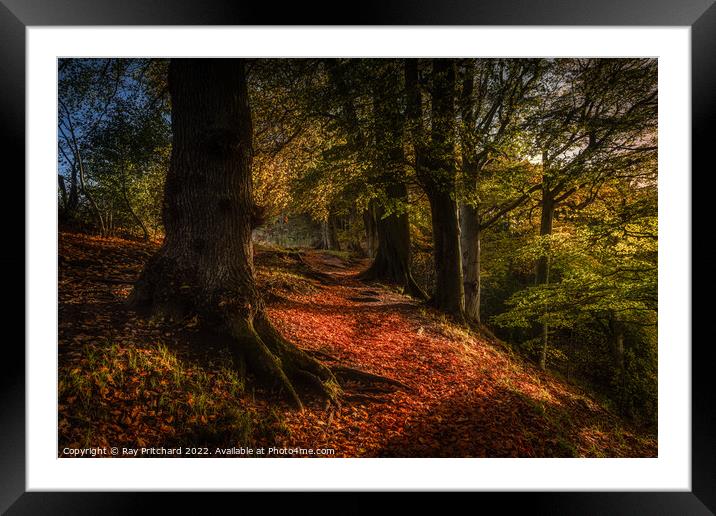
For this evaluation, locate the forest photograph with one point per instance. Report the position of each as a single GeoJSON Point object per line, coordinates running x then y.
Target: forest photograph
{"type": "Point", "coordinates": [357, 257]}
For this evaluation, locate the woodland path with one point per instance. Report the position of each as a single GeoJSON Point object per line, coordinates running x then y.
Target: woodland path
{"type": "Point", "coordinates": [467, 397]}
{"type": "Point", "coordinates": [463, 396]}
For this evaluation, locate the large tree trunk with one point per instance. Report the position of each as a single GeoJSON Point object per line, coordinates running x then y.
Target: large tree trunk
{"type": "Point", "coordinates": [435, 167]}
{"type": "Point", "coordinates": [449, 292]}
{"type": "Point", "coordinates": [470, 235]}
{"type": "Point", "coordinates": [392, 259]}
{"type": "Point", "coordinates": [205, 265]}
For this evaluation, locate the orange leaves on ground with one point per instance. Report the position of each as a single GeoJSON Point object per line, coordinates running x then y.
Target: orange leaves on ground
{"type": "Point", "coordinates": [469, 399]}
{"type": "Point", "coordinates": [125, 380]}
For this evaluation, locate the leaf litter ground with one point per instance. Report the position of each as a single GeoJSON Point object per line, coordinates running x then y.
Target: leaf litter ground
{"type": "Point", "coordinates": [125, 380]}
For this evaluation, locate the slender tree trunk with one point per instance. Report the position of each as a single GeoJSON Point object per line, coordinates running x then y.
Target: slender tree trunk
{"type": "Point", "coordinates": [543, 263]}
{"type": "Point", "coordinates": [329, 234]}
{"type": "Point", "coordinates": [618, 352]}
{"type": "Point", "coordinates": [205, 265]}
{"type": "Point", "coordinates": [129, 206]}
{"type": "Point", "coordinates": [63, 193]}
{"type": "Point", "coordinates": [335, 244]}
{"type": "Point", "coordinates": [545, 343]}
{"type": "Point", "coordinates": [73, 198]}
{"type": "Point", "coordinates": [470, 223]}
{"type": "Point", "coordinates": [88, 195]}
{"type": "Point", "coordinates": [325, 236]}
{"type": "Point", "coordinates": [470, 243]}
{"type": "Point", "coordinates": [545, 230]}
{"type": "Point", "coordinates": [621, 367]}
{"type": "Point", "coordinates": [354, 237]}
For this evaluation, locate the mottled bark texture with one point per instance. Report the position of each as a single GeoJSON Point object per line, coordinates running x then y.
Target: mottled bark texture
{"type": "Point", "coordinates": [205, 265]}
{"type": "Point", "coordinates": [470, 244]}
{"type": "Point", "coordinates": [470, 223]}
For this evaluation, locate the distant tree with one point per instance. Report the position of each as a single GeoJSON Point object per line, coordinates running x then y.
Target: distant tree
{"type": "Point", "coordinates": [113, 135]}
{"type": "Point", "coordinates": [87, 89]}
{"type": "Point", "coordinates": [126, 154]}
{"type": "Point", "coordinates": [605, 299]}
{"type": "Point", "coordinates": [597, 120]}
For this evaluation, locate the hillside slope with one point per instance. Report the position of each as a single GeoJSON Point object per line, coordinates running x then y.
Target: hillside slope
{"type": "Point", "coordinates": [125, 380]}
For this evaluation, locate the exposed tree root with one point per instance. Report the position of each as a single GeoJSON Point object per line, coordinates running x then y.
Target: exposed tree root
{"type": "Point", "coordinates": [349, 373]}
{"type": "Point", "coordinates": [114, 281]}
{"type": "Point", "coordinates": [274, 358]}
{"type": "Point", "coordinates": [384, 274]}
{"type": "Point", "coordinates": [377, 390]}
{"type": "Point", "coordinates": [321, 354]}
{"type": "Point", "coordinates": [252, 338]}
{"type": "Point", "coordinates": [364, 397]}
{"type": "Point", "coordinates": [310, 271]}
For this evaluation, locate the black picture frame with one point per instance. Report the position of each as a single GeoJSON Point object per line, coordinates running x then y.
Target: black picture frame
{"type": "Point", "coordinates": [17, 15]}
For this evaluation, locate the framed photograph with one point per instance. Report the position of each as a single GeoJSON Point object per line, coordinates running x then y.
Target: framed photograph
{"type": "Point", "coordinates": [413, 251]}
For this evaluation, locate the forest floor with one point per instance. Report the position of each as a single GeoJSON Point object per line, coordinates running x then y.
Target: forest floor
{"type": "Point", "coordinates": [128, 381]}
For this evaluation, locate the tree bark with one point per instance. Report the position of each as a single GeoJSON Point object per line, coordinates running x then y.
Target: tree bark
{"type": "Point", "coordinates": [88, 195]}
{"type": "Point", "coordinates": [545, 229]}
{"type": "Point", "coordinates": [73, 199]}
{"type": "Point", "coordinates": [470, 244]}
{"type": "Point", "coordinates": [470, 223]}
{"type": "Point", "coordinates": [435, 168]}
{"type": "Point", "coordinates": [449, 293]}
{"type": "Point", "coordinates": [392, 259]}
{"type": "Point", "coordinates": [205, 265]}
{"type": "Point", "coordinates": [616, 328]}
{"type": "Point", "coordinates": [621, 367]}
{"type": "Point", "coordinates": [543, 263]}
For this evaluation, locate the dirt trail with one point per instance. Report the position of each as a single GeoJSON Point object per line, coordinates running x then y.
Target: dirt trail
{"type": "Point", "coordinates": [465, 397]}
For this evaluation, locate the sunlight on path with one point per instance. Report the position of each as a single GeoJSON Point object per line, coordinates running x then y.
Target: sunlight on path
{"type": "Point", "coordinates": [468, 398]}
